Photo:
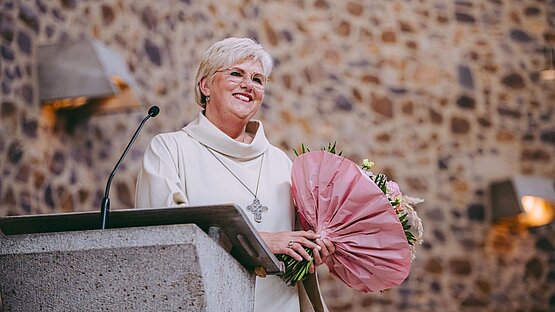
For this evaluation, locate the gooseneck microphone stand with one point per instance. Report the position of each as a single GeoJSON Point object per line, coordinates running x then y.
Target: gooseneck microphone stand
{"type": "Point", "coordinates": [105, 205]}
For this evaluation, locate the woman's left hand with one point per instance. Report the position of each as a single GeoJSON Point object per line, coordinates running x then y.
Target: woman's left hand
{"type": "Point", "coordinates": [291, 243]}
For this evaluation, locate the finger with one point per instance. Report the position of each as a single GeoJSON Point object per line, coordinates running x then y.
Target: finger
{"type": "Point", "coordinates": [311, 269]}
{"type": "Point", "coordinates": [317, 257]}
{"type": "Point", "coordinates": [324, 249]}
{"type": "Point", "coordinates": [330, 245]}
{"type": "Point", "coordinates": [307, 234]}
{"type": "Point", "coordinates": [300, 250]}
{"type": "Point", "coordinates": [305, 242]}
{"type": "Point", "coordinates": [290, 252]}
{"type": "Point", "coordinates": [312, 232]}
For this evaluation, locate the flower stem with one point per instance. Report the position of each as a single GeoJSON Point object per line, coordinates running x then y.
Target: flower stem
{"type": "Point", "coordinates": [295, 271]}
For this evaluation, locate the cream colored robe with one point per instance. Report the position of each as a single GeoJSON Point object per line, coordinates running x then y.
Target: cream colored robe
{"type": "Point", "coordinates": [178, 169]}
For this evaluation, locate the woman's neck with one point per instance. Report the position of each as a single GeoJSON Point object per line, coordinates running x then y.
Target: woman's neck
{"type": "Point", "coordinates": [236, 131]}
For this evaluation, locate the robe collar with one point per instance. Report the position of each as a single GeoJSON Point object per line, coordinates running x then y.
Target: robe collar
{"type": "Point", "coordinates": [202, 130]}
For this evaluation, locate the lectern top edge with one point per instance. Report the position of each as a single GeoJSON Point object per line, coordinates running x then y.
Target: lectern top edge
{"type": "Point", "coordinates": [228, 217]}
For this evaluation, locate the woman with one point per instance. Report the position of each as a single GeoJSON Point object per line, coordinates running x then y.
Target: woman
{"type": "Point", "coordinates": [223, 156]}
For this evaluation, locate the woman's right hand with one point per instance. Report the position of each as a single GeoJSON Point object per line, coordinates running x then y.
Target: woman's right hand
{"type": "Point", "coordinates": [291, 243]}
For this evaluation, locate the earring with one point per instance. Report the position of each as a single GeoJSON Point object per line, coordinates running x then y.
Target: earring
{"type": "Point", "coordinates": [207, 99]}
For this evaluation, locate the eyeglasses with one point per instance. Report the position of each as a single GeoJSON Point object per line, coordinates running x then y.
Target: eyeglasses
{"type": "Point", "coordinates": [238, 75]}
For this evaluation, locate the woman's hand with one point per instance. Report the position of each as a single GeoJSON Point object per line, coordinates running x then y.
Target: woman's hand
{"type": "Point", "coordinates": [325, 250]}
{"type": "Point", "coordinates": [291, 243]}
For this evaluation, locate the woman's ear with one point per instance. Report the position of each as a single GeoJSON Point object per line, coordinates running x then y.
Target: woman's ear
{"type": "Point", "coordinates": [203, 85]}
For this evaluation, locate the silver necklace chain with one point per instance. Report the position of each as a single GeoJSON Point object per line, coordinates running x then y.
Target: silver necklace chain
{"type": "Point", "coordinates": [256, 208]}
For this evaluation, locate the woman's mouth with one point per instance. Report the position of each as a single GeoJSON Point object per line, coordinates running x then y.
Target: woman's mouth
{"type": "Point", "coordinates": [243, 97]}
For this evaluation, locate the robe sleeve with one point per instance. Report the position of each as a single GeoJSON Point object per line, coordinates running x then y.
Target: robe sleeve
{"type": "Point", "coordinates": [158, 183]}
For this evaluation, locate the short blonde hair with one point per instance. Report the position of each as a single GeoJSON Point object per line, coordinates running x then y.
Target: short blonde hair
{"type": "Point", "coordinates": [225, 54]}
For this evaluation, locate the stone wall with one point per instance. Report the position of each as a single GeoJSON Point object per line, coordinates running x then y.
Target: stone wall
{"type": "Point", "coordinates": [443, 95]}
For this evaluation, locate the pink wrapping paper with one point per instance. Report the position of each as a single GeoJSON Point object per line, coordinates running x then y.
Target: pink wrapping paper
{"type": "Point", "coordinates": [337, 200]}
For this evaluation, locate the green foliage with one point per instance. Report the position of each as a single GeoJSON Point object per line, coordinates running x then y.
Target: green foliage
{"type": "Point", "coordinates": [403, 217]}
{"type": "Point", "coordinates": [381, 181]}
{"type": "Point", "coordinates": [331, 148]}
{"type": "Point", "coordinates": [304, 149]}
{"type": "Point", "coordinates": [295, 271]}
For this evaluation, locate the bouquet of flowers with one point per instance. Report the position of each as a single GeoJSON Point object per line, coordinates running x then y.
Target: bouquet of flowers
{"type": "Point", "coordinates": [373, 226]}
{"type": "Point", "coordinates": [402, 204]}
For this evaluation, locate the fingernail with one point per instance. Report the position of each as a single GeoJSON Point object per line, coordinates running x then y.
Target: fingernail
{"type": "Point", "coordinates": [318, 246]}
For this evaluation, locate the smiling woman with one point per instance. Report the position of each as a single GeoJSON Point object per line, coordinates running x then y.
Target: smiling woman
{"type": "Point", "coordinates": [223, 156]}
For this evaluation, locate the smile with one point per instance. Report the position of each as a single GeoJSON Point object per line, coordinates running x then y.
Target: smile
{"type": "Point", "coordinates": [243, 97]}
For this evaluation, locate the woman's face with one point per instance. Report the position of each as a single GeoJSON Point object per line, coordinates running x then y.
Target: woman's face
{"type": "Point", "coordinates": [232, 98]}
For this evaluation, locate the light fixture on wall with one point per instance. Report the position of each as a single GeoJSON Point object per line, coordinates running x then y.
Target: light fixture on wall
{"type": "Point", "coordinates": [531, 200]}
{"type": "Point", "coordinates": [84, 74]}
{"type": "Point", "coordinates": [548, 72]}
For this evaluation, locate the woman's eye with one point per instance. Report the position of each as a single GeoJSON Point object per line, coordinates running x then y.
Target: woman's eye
{"type": "Point", "coordinates": [257, 80]}
{"type": "Point", "coordinates": [235, 73]}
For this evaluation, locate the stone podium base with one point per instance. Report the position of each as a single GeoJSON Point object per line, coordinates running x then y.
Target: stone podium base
{"type": "Point", "coordinates": [158, 268]}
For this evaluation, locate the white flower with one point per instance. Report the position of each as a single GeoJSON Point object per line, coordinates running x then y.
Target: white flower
{"type": "Point", "coordinates": [416, 227]}
{"type": "Point", "coordinates": [411, 201]}
{"type": "Point", "coordinates": [367, 165]}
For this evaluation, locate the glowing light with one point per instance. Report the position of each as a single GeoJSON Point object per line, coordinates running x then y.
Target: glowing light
{"type": "Point", "coordinates": [67, 103]}
{"type": "Point", "coordinates": [547, 74]}
{"type": "Point", "coordinates": [537, 211]}
{"type": "Point", "coordinates": [119, 82]}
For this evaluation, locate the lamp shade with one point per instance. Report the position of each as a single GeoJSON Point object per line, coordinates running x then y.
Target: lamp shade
{"type": "Point", "coordinates": [83, 69]}
{"type": "Point", "coordinates": [548, 73]}
{"type": "Point", "coordinates": [531, 199]}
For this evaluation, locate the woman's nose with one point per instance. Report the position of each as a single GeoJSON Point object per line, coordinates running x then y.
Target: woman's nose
{"type": "Point", "coordinates": [246, 84]}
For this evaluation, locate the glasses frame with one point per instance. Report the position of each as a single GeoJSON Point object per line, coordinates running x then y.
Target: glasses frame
{"type": "Point", "coordinates": [246, 74]}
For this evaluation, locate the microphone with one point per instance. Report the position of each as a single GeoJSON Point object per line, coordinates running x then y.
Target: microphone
{"type": "Point", "coordinates": [105, 205]}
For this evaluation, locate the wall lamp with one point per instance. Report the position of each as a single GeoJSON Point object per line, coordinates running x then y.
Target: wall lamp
{"type": "Point", "coordinates": [531, 200]}
{"type": "Point", "coordinates": [548, 73]}
{"type": "Point", "coordinates": [84, 73]}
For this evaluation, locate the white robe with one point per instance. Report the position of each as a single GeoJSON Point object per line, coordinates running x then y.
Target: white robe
{"type": "Point", "coordinates": [178, 169]}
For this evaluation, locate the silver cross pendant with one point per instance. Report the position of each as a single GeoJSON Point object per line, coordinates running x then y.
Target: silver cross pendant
{"type": "Point", "coordinates": [257, 209]}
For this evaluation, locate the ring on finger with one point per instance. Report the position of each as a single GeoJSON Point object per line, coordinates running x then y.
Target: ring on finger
{"type": "Point", "coordinates": [290, 244]}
